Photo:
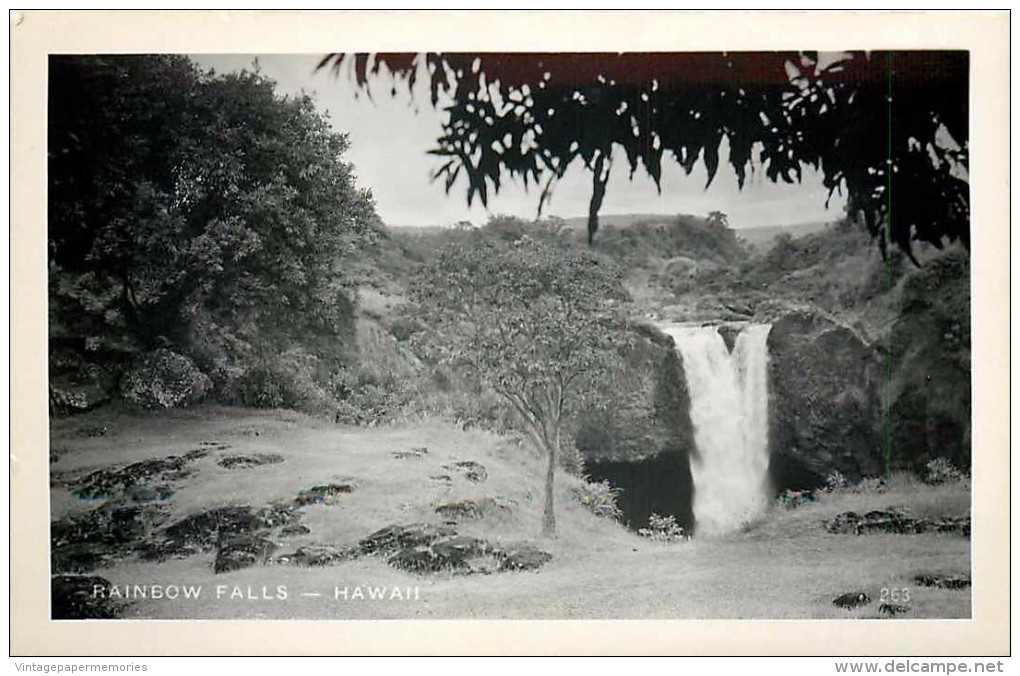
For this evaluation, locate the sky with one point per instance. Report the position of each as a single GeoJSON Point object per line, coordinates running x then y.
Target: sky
{"type": "Point", "coordinates": [390, 137]}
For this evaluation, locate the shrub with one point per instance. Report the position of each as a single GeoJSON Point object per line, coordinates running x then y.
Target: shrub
{"type": "Point", "coordinates": [939, 471]}
{"type": "Point", "coordinates": [599, 497]}
{"type": "Point", "coordinates": [368, 399]}
{"type": "Point", "coordinates": [402, 328]}
{"type": "Point", "coordinates": [664, 529]}
{"type": "Point", "coordinates": [835, 481]}
{"type": "Point", "coordinates": [164, 379]}
{"type": "Point", "coordinates": [267, 387]}
{"type": "Point", "coordinates": [289, 380]}
{"type": "Point", "coordinates": [872, 484]}
{"type": "Point", "coordinates": [571, 460]}
{"type": "Point", "coordinates": [793, 499]}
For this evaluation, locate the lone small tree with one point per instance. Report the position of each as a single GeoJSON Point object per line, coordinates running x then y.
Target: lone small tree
{"type": "Point", "coordinates": [533, 321]}
{"type": "Point", "coordinates": [718, 219]}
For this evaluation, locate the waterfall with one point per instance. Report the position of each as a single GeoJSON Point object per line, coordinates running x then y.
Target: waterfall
{"type": "Point", "coordinates": [729, 411]}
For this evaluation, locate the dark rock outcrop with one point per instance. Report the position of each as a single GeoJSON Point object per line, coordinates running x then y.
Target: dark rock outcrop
{"type": "Point", "coordinates": [67, 399]}
{"type": "Point", "coordinates": [456, 553]}
{"type": "Point", "coordinates": [474, 472]}
{"type": "Point", "coordinates": [87, 541]}
{"type": "Point", "coordinates": [851, 600]}
{"type": "Point", "coordinates": [216, 528]}
{"type": "Point", "coordinates": [274, 515]}
{"type": "Point", "coordinates": [824, 383]}
{"type": "Point", "coordinates": [115, 482]}
{"type": "Point", "coordinates": [81, 597]}
{"type": "Point", "coordinates": [242, 551]}
{"type": "Point", "coordinates": [472, 509]}
{"type": "Point", "coordinates": [521, 556]}
{"type": "Point", "coordinates": [246, 461]}
{"type": "Point", "coordinates": [294, 530]}
{"type": "Point", "coordinates": [326, 494]}
{"type": "Point", "coordinates": [644, 442]}
{"type": "Point", "coordinates": [426, 548]}
{"type": "Point", "coordinates": [469, 555]}
{"type": "Point", "coordinates": [896, 522]}
{"type": "Point", "coordinates": [392, 538]}
{"type": "Point", "coordinates": [321, 555]}
{"type": "Point", "coordinates": [940, 581]}
{"type": "Point", "coordinates": [729, 333]}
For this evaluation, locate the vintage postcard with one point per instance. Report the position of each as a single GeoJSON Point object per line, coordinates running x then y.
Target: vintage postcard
{"type": "Point", "coordinates": [615, 332]}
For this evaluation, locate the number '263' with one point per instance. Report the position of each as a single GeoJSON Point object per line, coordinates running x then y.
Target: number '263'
{"type": "Point", "coordinates": [895, 595]}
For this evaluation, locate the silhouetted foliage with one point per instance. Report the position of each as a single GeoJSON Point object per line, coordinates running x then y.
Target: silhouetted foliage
{"type": "Point", "coordinates": [887, 128]}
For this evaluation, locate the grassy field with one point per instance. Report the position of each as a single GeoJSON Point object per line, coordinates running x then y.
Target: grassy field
{"type": "Point", "coordinates": [784, 566]}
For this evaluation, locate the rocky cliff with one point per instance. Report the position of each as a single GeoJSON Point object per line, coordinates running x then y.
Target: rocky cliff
{"type": "Point", "coordinates": [826, 413]}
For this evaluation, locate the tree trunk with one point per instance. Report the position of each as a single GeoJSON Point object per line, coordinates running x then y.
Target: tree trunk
{"type": "Point", "coordinates": [600, 176]}
{"type": "Point", "coordinates": [549, 518]}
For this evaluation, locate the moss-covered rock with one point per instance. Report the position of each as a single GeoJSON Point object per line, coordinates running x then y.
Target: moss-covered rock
{"type": "Point", "coordinates": [321, 555]}
{"type": "Point", "coordinates": [393, 538]}
{"type": "Point", "coordinates": [325, 494]}
{"type": "Point", "coordinates": [473, 509]}
{"type": "Point", "coordinates": [155, 473]}
{"type": "Point", "coordinates": [851, 600]}
{"type": "Point", "coordinates": [943, 581]}
{"type": "Point", "coordinates": [455, 553]}
{"type": "Point", "coordinates": [474, 472]}
{"type": "Point", "coordinates": [242, 551]}
{"type": "Point", "coordinates": [241, 461]}
{"type": "Point", "coordinates": [87, 541]}
{"type": "Point", "coordinates": [81, 597]}
{"type": "Point", "coordinates": [69, 398]}
{"type": "Point", "coordinates": [522, 556]}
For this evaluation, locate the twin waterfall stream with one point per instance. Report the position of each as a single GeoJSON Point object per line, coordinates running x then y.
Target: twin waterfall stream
{"type": "Point", "coordinates": [730, 414]}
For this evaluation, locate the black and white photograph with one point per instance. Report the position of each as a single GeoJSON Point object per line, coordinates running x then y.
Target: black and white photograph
{"type": "Point", "coordinates": [511, 334]}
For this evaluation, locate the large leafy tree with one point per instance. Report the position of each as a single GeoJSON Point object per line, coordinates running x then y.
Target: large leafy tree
{"type": "Point", "coordinates": [178, 197]}
{"type": "Point", "coordinates": [530, 321]}
{"type": "Point", "coordinates": [889, 129]}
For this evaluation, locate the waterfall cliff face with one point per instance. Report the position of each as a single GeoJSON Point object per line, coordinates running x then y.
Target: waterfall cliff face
{"type": "Point", "coordinates": [729, 411]}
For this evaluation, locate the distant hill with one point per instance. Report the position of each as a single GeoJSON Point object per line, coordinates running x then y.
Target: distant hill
{"type": "Point", "coordinates": [761, 237]}
{"type": "Point", "coordinates": [755, 236]}
{"type": "Point", "coordinates": [617, 220]}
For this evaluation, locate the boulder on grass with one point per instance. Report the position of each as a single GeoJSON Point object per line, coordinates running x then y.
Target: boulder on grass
{"type": "Point", "coordinates": [242, 551]}
{"type": "Point", "coordinates": [321, 555]}
{"type": "Point", "coordinates": [472, 509]}
{"type": "Point", "coordinates": [941, 581]}
{"type": "Point", "coordinates": [393, 538]}
{"type": "Point", "coordinates": [522, 556]}
{"type": "Point", "coordinates": [851, 600]}
{"type": "Point", "coordinates": [66, 399]}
